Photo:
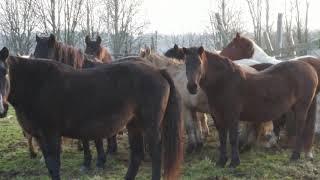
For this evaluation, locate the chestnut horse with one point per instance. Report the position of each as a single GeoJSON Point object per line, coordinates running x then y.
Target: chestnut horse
{"type": "Point", "coordinates": [253, 133]}
{"type": "Point", "coordinates": [198, 103]}
{"type": "Point", "coordinates": [237, 94]}
{"type": "Point", "coordinates": [95, 49]}
{"type": "Point", "coordinates": [244, 49]}
{"type": "Point", "coordinates": [52, 100]}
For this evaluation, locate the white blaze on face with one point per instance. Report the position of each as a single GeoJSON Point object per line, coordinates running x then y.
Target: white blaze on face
{"type": "Point", "coordinates": [1, 105]}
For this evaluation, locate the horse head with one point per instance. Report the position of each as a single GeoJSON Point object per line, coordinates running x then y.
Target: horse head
{"type": "Point", "coordinates": [175, 52]}
{"type": "Point", "coordinates": [194, 67]}
{"type": "Point", "coordinates": [239, 48]}
{"type": "Point", "coordinates": [46, 47]}
{"type": "Point", "coordinates": [4, 82]}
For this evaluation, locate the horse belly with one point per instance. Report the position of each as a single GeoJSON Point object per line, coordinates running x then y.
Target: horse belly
{"type": "Point", "coordinates": [100, 127]}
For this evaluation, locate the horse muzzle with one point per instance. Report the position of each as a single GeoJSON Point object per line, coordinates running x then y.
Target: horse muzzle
{"type": "Point", "coordinates": [192, 88]}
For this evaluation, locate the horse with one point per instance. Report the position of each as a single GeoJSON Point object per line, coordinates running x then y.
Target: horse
{"type": "Point", "coordinates": [50, 48]}
{"type": "Point", "coordinates": [235, 94]}
{"type": "Point", "coordinates": [246, 49]}
{"type": "Point", "coordinates": [175, 52]}
{"type": "Point", "coordinates": [198, 102]}
{"type": "Point", "coordinates": [94, 48]}
{"type": "Point", "coordinates": [252, 133]}
{"type": "Point", "coordinates": [52, 100]}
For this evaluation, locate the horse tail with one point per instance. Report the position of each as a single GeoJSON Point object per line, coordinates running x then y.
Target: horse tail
{"type": "Point", "coordinates": [172, 132]}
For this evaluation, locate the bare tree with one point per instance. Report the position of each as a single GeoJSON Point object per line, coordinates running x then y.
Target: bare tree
{"type": "Point", "coordinates": [225, 21]}
{"type": "Point", "coordinates": [72, 14]}
{"type": "Point", "coordinates": [18, 23]}
{"type": "Point", "coordinates": [255, 8]}
{"type": "Point", "coordinates": [123, 25]}
{"type": "Point", "coordinates": [49, 14]}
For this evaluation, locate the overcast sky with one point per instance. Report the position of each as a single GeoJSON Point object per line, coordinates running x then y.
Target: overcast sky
{"type": "Point", "coordinates": [183, 16]}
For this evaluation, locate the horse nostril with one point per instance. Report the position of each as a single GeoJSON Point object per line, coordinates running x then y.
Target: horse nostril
{"type": "Point", "coordinates": [192, 87]}
{"type": "Point", "coordinates": [268, 137]}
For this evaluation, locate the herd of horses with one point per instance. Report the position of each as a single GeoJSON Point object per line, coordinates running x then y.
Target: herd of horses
{"type": "Point", "coordinates": [62, 92]}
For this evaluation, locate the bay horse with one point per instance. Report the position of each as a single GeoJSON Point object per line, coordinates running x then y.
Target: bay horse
{"type": "Point", "coordinates": [236, 94]}
{"type": "Point", "coordinates": [244, 49]}
{"type": "Point", "coordinates": [52, 100]}
{"type": "Point", "coordinates": [198, 103]}
{"type": "Point", "coordinates": [95, 49]}
{"type": "Point", "coordinates": [50, 48]}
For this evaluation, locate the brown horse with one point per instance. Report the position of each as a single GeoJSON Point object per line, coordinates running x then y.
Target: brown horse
{"type": "Point", "coordinates": [50, 48]}
{"type": "Point", "coordinates": [52, 100]}
{"type": "Point", "coordinates": [236, 94]}
{"type": "Point", "coordinates": [95, 49]}
{"type": "Point", "coordinates": [244, 49]}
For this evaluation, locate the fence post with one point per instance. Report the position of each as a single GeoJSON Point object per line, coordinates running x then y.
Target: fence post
{"type": "Point", "coordinates": [268, 42]}
{"type": "Point", "coordinates": [279, 35]}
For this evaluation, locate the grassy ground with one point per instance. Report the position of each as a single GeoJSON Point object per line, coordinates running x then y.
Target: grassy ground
{"type": "Point", "coordinates": [255, 164]}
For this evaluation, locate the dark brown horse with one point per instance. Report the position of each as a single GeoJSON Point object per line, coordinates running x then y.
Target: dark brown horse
{"type": "Point", "coordinates": [95, 49]}
{"type": "Point", "coordinates": [50, 48]}
{"type": "Point", "coordinates": [175, 52]}
{"type": "Point", "coordinates": [52, 100]}
{"type": "Point", "coordinates": [235, 94]}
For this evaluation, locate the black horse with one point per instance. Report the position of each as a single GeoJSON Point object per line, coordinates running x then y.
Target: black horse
{"type": "Point", "coordinates": [53, 100]}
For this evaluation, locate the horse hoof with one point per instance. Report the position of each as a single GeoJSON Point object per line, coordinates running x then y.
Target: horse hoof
{"type": "Point", "coordinates": [33, 155]}
{"type": "Point", "coordinates": [112, 151]}
{"type": "Point", "coordinates": [295, 156]}
{"type": "Point", "coordinates": [84, 169]}
{"type": "Point", "coordinates": [222, 162]}
{"type": "Point", "coordinates": [190, 148]}
{"type": "Point", "coordinates": [309, 156]}
{"type": "Point", "coordinates": [234, 163]}
{"type": "Point", "coordinates": [199, 147]}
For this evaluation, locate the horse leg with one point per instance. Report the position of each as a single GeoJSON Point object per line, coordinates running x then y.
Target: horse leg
{"type": "Point", "coordinates": [198, 132]}
{"type": "Point", "coordinates": [189, 130]}
{"type": "Point", "coordinates": [222, 131]}
{"type": "Point", "coordinates": [112, 145]}
{"type": "Point", "coordinates": [101, 160]}
{"type": "Point", "coordinates": [136, 152]}
{"type": "Point", "coordinates": [32, 152]}
{"type": "Point", "coordinates": [87, 155]}
{"type": "Point", "coordinates": [300, 118]}
{"type": "Point", "coordinates": [153, 138]}
{"type": "Point", "coordinates": [204, 124]}
{"type": "Point", "coordinates": [234, 141]}
{"type": "Point", "coordinates": [51, 147]}
{"type": "Point", "coordinates": [309, 129]}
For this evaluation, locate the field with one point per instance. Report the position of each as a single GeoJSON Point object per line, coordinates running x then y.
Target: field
{"type": "Point", "coordinates": [255, 164]}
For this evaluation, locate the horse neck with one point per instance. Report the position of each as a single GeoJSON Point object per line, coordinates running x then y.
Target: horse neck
{"type": "Point", "coordinates": [215, 66]}
{"type": "Point", "coordinates": [69, 55]}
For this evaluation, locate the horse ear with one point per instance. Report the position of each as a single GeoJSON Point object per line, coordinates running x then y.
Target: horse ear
{"type": "Point", "coordinates": [52, 39]}
{"type": "Point", "coordinates": [142, 52]}
{"type": "Point", "coordinates": [148, 51]}
{"type": "Point", "coordinates": [237, 35]}
{"type": "Point", "coordinates": [37, 38]}
{"type": "Point", "coordinates": [87, 39]}
{"type": "Point", "coordinates": [200, 50]}
{"type": "Point", "coordinates": [4, 53]}
{"type": "Point", "coordinates": [175, 47]}
{"type": "Point", "coordinates": [98, 40]}
{"type": "Point", "coordinates": [185, 50]}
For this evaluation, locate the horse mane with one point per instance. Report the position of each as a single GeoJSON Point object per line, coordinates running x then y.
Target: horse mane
{"type": "Point", "coordinates": [69, 55]}
{"type": "Point", "coordinates": [259, 54]}
{"type": "Point", "coordinates": [211, 57]}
